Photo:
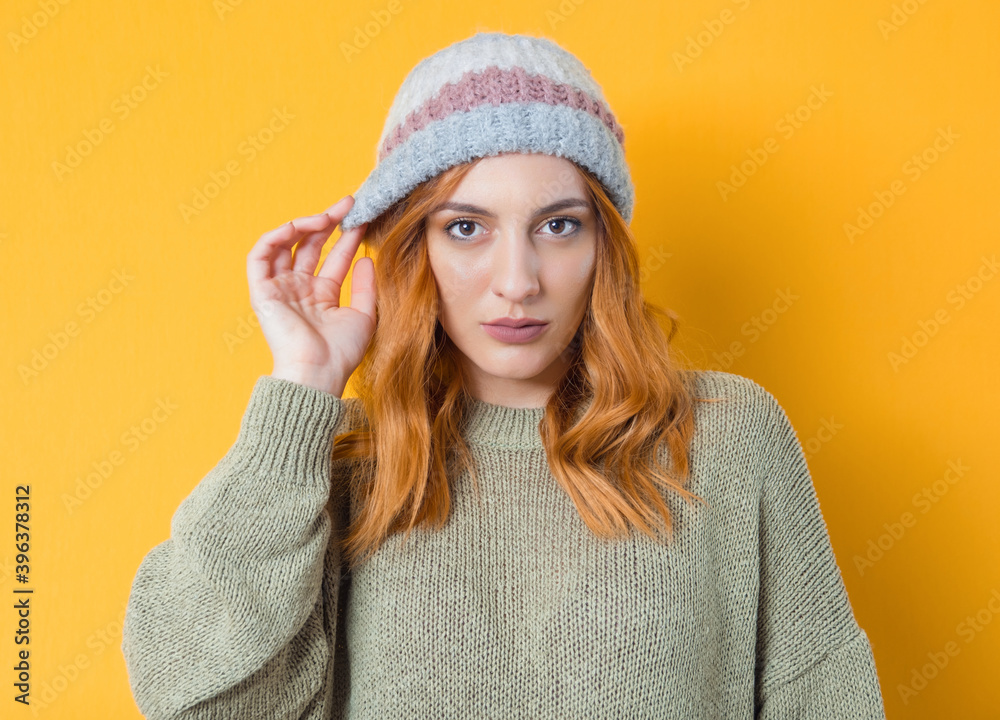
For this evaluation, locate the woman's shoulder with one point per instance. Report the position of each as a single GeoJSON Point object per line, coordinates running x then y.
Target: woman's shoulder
{"type": "Point", "coordinates": [734, 404]}
{"type": "Point", "coordinates": [741, 432]}
{"type": "Point", "coordinates": [731, 390]}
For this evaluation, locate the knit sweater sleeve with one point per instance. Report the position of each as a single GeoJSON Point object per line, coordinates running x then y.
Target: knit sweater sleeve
{"type": "Point", "coordinates": [813, 660]}
{"type": "Point", "coordinates": [226, 618]}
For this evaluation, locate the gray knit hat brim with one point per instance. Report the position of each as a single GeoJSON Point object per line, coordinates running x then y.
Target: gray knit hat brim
{"type": "Point", "coordinates": [491, 130]}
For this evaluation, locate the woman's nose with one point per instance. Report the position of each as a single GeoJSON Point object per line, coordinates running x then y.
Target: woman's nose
{"type": "Point", "coordinates": [515, 268]}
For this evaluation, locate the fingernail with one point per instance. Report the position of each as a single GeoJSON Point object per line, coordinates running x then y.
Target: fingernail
{"type": "Point", "coordinates": [334, 206]}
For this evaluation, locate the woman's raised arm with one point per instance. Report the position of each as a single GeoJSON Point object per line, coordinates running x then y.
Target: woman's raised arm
{"type": "Point", "coordinates": [234, 615]}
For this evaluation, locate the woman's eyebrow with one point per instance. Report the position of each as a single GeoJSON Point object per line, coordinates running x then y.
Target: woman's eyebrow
{"type": "Point", "coordinates": [475, 209]}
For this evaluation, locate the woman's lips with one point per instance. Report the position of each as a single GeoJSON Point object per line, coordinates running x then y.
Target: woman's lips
{"type": "Point", "coordinates": [515, 335]}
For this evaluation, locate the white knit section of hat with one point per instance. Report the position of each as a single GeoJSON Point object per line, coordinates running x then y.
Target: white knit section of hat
{"type": "Point", "coordinates": [534, 54]}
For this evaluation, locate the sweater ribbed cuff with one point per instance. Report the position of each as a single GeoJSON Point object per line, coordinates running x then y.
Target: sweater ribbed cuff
{"type": "Point", "coordinates": [289, 427]}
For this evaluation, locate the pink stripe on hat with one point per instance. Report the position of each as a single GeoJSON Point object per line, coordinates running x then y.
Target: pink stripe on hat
{"type": "Point", "coordinates": [495, 86]}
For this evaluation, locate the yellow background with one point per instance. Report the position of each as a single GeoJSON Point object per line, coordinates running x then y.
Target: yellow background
{"type": "Point", "coordinates": [694, 103]}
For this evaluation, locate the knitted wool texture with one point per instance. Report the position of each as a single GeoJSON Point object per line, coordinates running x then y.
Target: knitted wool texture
{"type": "Point", "coordinates": [515, 609]}
{"type": "Point", "coordinates": [489, 94]}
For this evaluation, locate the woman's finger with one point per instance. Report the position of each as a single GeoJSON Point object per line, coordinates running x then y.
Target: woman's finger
{"type": "Point", "coordinates": [272, 253]}
{"type": "Point", "coordinates": [304, 226]}
{"type": "Point", "coordinates": [308, 249]}
{"type": "Point", "coordinates": [339, 260]}
{"type": "Point", "coordinates": [272, 243]}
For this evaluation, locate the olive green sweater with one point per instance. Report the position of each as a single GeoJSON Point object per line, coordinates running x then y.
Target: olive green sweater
{"type": "Point", "coordinates": [515, 609]}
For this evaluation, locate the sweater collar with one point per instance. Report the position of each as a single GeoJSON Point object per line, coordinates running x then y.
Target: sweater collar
{"type": "Point", "coordinates": [501, 426]}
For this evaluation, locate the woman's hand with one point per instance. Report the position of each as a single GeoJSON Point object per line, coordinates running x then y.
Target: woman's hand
{"type": "Point", "coordinates": [313, 340]}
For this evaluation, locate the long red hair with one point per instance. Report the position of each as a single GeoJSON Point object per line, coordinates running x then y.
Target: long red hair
{"type": "Point", "coordinates": [412, 390]}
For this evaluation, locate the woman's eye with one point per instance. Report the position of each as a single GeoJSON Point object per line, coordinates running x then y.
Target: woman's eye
{"type": "Point", "coordinates": [465, 228]}
{"type": "Point", "coordinates": [560, 224]}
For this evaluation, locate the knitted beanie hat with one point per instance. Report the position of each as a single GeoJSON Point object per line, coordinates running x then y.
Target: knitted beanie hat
{"type": "Point", "coordinates": [489, 94]}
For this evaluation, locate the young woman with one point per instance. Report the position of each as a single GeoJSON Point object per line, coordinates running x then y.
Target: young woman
{"type": "Point", "coordinates": [530, 509]}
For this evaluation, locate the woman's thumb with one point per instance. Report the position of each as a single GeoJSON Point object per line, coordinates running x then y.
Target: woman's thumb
{"type": "Point", "coordinates": [363, 287]}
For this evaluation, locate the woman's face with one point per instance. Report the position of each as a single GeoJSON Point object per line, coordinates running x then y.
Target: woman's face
{"type": "Point", "coordinates": [516, 239]}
